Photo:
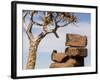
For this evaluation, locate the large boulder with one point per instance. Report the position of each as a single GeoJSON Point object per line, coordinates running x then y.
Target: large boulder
{"type": "Point", "coordinates": [76, 51]}
{"type": "Point", "coordinates": [76, 40]}
{"type": "Point", "coordinates": [69, 63]}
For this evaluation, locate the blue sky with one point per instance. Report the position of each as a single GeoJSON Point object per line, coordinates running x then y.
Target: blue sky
{"type": "Point", "coordinates": [84, 17]}
{"type": "Point", "coordinates": [50, 42]}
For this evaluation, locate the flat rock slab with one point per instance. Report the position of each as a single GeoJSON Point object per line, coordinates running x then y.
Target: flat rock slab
{"type": "Point", "coordinates": [76, 51]}
{"type": "Point", "coordinates": [58, 57]}
{"type": "Point", "coordinates": [76, 40]}
{"type": "Point", "coordinates": [69, 63]}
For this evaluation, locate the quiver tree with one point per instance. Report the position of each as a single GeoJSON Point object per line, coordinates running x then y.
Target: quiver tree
{"type": "Point", "coordinates": [44, 20]}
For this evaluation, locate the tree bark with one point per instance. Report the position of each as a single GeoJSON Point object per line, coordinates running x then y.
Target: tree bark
{"type": "Point", "coordinates": [32, 51]}
{"type": "Point", "coordinates": [32, 55]}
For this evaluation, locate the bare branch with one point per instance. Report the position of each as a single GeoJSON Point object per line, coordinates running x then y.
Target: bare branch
{"type": "Point", "coordinates": [28, 27]}
{"type": "Point", "coordinates": [68, 17]}
{"type": "Point", "coordinates": [36, 23]}
{"type": "Point", "coordinates": [31, 22]}
{"type": "Point", "coordinates": [23, 19]}
{"type": "Point", "coordinates": [55, 33]}
{"type": "Point", "coordinates": [64, 25]}
{"type": "Point", "coordinates": [47, 20]}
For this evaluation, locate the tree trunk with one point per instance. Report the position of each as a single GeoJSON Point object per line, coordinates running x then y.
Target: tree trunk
{"type": "Point", "coordinates": [32, 52]}
{"type": "Point", "coordinates": [32, 55]}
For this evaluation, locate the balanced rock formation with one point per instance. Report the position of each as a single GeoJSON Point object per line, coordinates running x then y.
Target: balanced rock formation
{"type": "Point", "coordinates": [74, 53]}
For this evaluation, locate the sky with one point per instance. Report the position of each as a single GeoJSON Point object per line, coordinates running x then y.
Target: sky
{"type": "Point", "coordinates": [50, 42]}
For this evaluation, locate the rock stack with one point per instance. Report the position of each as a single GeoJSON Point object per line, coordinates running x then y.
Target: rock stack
{"type": "Point", "coordinates": [74, 54]}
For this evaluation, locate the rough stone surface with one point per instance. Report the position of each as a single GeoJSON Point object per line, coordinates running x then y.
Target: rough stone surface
{"type": "Point", "coordinates": [58, 57]}
{"type": "Point", "coordinates": [74, 54]}
{"type": "Point", "coordinates": [69, 63]}
{"type": "Point", "coordinates": [76, 51]}
{"type": "Point", "coordinates": [76, 40]}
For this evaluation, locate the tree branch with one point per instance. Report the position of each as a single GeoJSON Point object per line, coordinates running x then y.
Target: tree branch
{"type": "Point", "coordinates": [57, 27]}
{"type": "Point", "coordinates": [28, 27]}
{"type": "Point", "coordinates": [64, 25]}
{"type": "Point", "coordinates": [48, 19]}
{"type": "Point", "coordinates": [49, 16]}
{"type": "Point", "coordinates": [55, 33]}
{"type": "Point", "coordinates": [23, 20]}
{"type": "Point", "coordinates": [38, 23]}
{"type": "Point", "coordinates": [31, 22]}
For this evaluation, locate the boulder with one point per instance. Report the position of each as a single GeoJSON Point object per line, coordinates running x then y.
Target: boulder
{"type": "Point", "coordinates": [76, 40]}
{"type": "Point", "coordinates": [76, 51]}
{"type": "Point", "coordinates": [69, 63]}
{"type": "Point", "coordinates": [58, 57]}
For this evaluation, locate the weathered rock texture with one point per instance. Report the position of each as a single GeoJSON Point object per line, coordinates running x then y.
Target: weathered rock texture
{"type": "Point", "coordinates": [76, 40]}
{"type": "Point", "coordinates": [76, 51]}
{"type": "Point", "coordinates": [73, 55]}
{"type": "Point", "coordinates": [58, 57]}
{"type": "Point", "coordinates": [69, 63]}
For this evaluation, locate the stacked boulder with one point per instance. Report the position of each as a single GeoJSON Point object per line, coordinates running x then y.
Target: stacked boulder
{"type": "Point", "coordinates": [74, 54]}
